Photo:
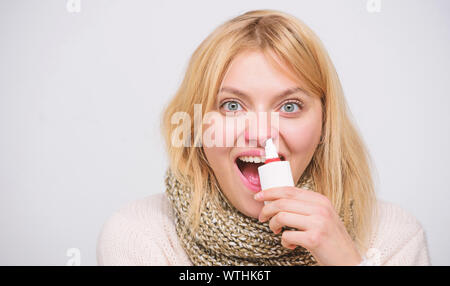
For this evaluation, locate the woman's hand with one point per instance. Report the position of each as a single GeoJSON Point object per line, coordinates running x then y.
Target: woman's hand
{"type": "Point", "coordinates": [319, 228]}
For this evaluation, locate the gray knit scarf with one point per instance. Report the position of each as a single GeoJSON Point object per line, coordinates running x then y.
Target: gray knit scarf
{"type": "Point", "coordinates": [226, 236]}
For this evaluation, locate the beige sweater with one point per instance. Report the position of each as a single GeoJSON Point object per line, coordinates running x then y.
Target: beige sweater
{"type": "Point", "coordinates": [143, 233]}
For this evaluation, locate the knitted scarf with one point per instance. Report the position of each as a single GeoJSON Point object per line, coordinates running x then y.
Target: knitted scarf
{"type": "Point", "coordinates": [225, 235]}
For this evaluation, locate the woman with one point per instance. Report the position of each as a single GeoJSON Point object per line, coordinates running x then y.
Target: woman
{"type": "Point", "coordinates": [213, 212]}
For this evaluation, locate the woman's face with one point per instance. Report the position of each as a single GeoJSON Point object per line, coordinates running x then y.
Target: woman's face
{"type": "Point", "coordinates": [296, 133]}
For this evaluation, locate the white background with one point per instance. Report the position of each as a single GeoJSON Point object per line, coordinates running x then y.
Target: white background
{"type": "Point", "coordinates": [81, 96]}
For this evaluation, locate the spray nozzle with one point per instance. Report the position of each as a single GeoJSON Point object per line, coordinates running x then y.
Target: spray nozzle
{"type": "Point", "coordinates": [271, 150]}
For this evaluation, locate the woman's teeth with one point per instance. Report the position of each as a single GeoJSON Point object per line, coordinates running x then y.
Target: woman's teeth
{"type": "Point", "coordinates": [252, 159]}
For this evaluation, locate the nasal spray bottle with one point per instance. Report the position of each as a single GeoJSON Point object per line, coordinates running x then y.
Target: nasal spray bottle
{"type": "Point", "coordinates": [274, 172]}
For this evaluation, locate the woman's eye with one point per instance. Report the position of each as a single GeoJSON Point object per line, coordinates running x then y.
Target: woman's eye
{"type": "Point", "coordinates": [290, 107]}
{"type": "Point", "coordinates": [232, 106]}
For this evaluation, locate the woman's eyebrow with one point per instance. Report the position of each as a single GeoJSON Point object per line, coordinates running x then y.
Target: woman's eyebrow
{"type": "Point", "coordinates": [240, 93]}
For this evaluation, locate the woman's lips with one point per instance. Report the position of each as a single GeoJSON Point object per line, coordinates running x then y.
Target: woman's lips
{"type": "Point", "coordinates": [248, 172]}
{"type": "Point", "coordinates": [249, 176]}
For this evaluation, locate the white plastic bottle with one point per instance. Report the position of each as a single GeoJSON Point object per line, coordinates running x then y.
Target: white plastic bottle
{"type": "Point", "coordinates": [274, 172]}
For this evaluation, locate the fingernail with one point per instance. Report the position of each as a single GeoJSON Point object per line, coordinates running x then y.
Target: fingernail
{"type": "Point", "coordinates": [258, 196]}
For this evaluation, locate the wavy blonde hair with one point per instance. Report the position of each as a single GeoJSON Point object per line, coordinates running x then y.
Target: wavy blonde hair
{"type": "Point", "coordinates": [341, 165]}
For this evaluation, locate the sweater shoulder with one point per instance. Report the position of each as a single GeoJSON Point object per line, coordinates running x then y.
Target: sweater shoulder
{"type": "Point", "coordinates": [397, 231]}
{"type": "Point", "coordinates": [149, 211]}
{"type": "Point", "coordinates": [148, 215]}
{"type": "Point", "coordinates": [141, 232]}
{"type": "Point", "coordinates": [392, 216]}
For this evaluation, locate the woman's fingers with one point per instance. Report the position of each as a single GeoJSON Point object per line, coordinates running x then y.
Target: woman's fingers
{"type": "Point", "coordinates": [286, 205]}
{"type": "Point", "coordinates": [291, 239]}
{"type": "Point", "coordinates": [281, 219]}
{"type": "Point", "coordinates": [292, 193]}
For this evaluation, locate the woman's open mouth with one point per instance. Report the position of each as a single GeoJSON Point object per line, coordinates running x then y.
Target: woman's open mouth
{"type": "Point", "coordinates": [247, 167]}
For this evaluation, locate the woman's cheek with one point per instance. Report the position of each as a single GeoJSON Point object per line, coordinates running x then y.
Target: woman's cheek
{"type": "Point", "coordinates": [298, 135]}
{"type": "Point", "coordinates": [214, 130]}
{"type": "Point", "coordinates": [231, 129]}
{"type": "Point", "coordinates": [223, 131]}
{"type": "Point", "coordinates": [301, 140]}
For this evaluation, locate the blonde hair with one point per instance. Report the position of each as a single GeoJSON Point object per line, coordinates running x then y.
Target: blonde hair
{"type": "Point", "coordinates": [341, 165]}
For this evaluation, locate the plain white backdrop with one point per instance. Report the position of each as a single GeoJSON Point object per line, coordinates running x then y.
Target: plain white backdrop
{"type": "Point", "coordinates": [81, 96]}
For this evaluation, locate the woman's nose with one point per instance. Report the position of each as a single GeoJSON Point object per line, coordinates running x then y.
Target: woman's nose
{"type": "Point", "coordinates": [257, 137]}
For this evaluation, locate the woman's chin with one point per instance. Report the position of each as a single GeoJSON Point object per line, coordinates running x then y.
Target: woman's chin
{"type": "Point", "coordinates": [245, 202]}
{"type": "Point", "coordinates": [242, 198]}
{"type": "Point", "coordinates": [251, 208]}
